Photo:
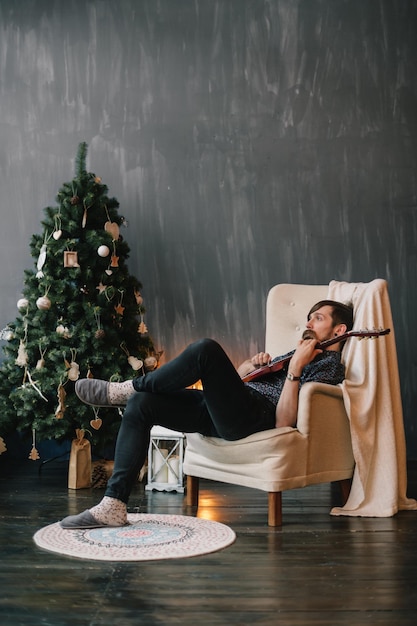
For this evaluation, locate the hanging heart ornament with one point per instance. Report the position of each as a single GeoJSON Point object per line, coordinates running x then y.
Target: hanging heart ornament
{"type": "Point", "coordinates": [113, 229]}
{"type": "Point", "coordinates": [96, 423]}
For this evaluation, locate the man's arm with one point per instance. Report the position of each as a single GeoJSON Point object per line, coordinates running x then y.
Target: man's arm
{"type": "Point", "coordinates": [287, 407]}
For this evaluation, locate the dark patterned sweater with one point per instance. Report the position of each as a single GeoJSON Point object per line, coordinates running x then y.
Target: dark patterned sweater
{"type": "Point", "coordinates": [325, 368]}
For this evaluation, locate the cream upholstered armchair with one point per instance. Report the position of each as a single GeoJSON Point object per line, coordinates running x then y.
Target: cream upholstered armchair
{"type": "Point", "coordinates": [318, 450]}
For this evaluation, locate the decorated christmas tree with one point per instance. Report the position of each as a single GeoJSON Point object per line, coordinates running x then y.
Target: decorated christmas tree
{"type": "Point", "coordinates": [81, 315]}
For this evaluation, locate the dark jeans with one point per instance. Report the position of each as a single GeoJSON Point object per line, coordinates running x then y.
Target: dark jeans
{"type": "Point", "coordinates": [225, 408]}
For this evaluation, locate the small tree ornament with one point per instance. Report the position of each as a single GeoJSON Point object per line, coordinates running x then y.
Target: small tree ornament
{"type": "Point", "coordinates": [22, 355]}
{"type": "Point", "coordinates": [57, 234]}
{"type": "Point", "coordinates": [23, 304]}
{"type": "Point", "coordinates": [119, 308]}
{"type": "Point", "coordinates": [142, 328]}
{"type": "Point", "coordinates": [22, 358]}
{"type": "Point", "coordinates": [113, 229]}
{"type": "Point", "coordinates": [97, 422]}
{"type": "Point", "coordinates": [84, 222]}
{"type": "Point", "coordinates": [3, 447]}
{"type": "Point", "coordinates": [63, 331]}
{"type": "Point", "coordinates": [73, 372]}
{"type": "Point", "coordinates": [150, 363]}
{"type": "Point", "coordinates": [138, 297]}
{"type": "Point", "coordinates": [42, 257]}
{"type": "Point", "coordinates": [100, 333]}
{"type": "Point", "coordinates": [103, 251]}
{"type": "Point", "coordinates": [7, 334]}
{"type": "Point", "coordinates": [61, 408]}
{"type": "Point", "coordinates": [135, 363]}
{"type": "Point", "coordinates": [101, 288]}
{"type": "Point", "coordinates": [70, 258]}
{"type": "Point", "coordinates": [34, 454]}
{"type": "Point", "coordinates": [43, 303]}
{"type": "Point", "coordinates": [41, 362]}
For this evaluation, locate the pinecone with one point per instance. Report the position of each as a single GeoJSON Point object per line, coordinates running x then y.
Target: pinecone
{"type": "Point", "coordinates": [75, 200]}
{"type": "Point", "coordinates": [99, 477]}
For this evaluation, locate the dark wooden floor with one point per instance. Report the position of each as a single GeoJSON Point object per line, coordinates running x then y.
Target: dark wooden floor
{"type": "Point", "coordinates": [315, 570]}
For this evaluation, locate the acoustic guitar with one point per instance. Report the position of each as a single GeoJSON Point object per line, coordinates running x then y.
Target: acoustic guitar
{"type": "Point", "coordinates": [277, 366]}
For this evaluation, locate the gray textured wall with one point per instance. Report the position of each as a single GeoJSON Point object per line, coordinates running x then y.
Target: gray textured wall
{"type": "Point", "coordinates": [249, 142]}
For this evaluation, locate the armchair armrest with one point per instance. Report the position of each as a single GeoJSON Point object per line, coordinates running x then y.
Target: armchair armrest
{"type": "Point", "coordinates": [318, 399]}
{"type": "Point", "coordinates": [323, 419]}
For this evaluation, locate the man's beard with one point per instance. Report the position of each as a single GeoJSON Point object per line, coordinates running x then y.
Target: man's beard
{"type": "Point", "coordinates": [310, 334]}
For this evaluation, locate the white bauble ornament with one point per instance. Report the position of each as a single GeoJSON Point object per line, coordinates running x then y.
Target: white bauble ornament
{"type": "Point", "coordinates": [22, 304]}
{"type": "Point", "coordinates": [103, 251]}
{"type": "Point", "coordinates": [43, 303]}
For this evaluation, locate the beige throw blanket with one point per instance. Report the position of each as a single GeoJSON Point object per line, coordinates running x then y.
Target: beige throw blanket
{"type": "Point", "coordinates": [373, 403]}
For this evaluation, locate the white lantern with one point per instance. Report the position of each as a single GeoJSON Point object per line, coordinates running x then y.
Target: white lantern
{"type": "Point", "coordinates": [165, 460]}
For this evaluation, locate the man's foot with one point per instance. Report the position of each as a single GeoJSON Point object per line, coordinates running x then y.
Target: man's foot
{"type": "Point", "coordinates": [82, 520]}
{"type": "Point", "coordinates": [101, 393]}
{"type": "Point", "coordinates": [110, 512]}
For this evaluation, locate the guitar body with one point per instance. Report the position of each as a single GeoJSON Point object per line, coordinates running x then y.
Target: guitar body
{"type": "Point", "coordinates": [277, 366]}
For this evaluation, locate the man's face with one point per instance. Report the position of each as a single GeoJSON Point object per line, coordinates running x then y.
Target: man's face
{"type": "Point", "coordinates": [321, 324]}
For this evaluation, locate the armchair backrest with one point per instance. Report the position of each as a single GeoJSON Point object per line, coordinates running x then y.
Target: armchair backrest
{"type": "Point", "coordinates": [287, 307]}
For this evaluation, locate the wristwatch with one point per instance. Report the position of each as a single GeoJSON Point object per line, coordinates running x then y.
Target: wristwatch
{"type": "Point", "coordinates": [292, 377]}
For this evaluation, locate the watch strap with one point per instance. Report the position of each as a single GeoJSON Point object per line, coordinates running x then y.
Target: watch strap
{"type": "Point", "coordinates": [292, 377]}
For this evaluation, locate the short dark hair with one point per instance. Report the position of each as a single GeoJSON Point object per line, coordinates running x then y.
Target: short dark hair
{"type": "Point", "coordinates": [341, 313]}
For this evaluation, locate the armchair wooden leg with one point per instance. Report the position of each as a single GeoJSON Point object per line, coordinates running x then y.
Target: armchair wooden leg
{"type": "Point", "coordinates": [192, 490]}
{"type": "Point", "coordinates": [345, 486]}
{"type": "Point", "coordinates": [275, 508]}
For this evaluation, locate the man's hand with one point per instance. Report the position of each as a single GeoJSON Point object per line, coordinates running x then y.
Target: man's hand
{"type": "Point", "coordinates": [262, 358]}
{"type": "Point", "coordinates": [248, 366]}
{"type": "Point", "coordinates": [304, 353]}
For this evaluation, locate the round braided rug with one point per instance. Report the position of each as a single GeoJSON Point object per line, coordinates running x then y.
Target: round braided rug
{"type": "Point", "coordinates": [148, 537]}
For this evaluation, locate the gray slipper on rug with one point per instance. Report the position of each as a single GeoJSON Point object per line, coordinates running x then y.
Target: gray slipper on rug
{"type": "Point", "coordinates": [82, 520]}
